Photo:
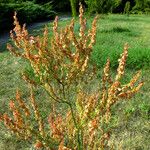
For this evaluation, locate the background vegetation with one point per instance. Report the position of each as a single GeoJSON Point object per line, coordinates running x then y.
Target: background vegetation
{"type": "Point", "coordinates": [33, 10]}
{"type": "Point", "coordinates": [27, 12]}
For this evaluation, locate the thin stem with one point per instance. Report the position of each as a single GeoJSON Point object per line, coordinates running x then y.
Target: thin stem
{"type": "Point", "coordinates": [80, 143]}
{"type": "Point", "coordinates": [79, 137]}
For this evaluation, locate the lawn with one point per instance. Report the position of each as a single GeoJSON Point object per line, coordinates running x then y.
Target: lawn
{"type": "Point", "coordinates": [131, 121]}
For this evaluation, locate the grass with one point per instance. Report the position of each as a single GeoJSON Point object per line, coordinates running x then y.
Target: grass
{"type": "Point", "coordinates": [114, 31]}
{"type": "Point", "coordinates": [131, 121]}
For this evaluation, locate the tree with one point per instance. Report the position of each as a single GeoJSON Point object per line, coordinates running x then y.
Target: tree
{"type": "Point", "coordinates": [141, 6]}
{"type": "Point", "coordinates": [73, 7]}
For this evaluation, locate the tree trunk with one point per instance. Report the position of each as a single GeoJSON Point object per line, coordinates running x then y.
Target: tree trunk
{"type": "Point", "coordinates": [73, 7]}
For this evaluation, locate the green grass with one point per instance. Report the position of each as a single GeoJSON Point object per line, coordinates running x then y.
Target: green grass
{"type": "Point", "coordinates": [131, 121]}
{"type": "Point", "coordinates": [116, 30]}
{"type": "Point", "coordinates": [132, 118]}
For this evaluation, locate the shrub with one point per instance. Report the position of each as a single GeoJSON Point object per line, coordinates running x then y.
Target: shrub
{"type": "Point", "coordinates": [63, 68]}
{"type": "Point", "coordinates": [27, 11]}
{"type": "Point", "coordinates": [101, 6]}
{"type": "Point", "coordinates": [61, 6]}
{"type": "Point", "coordinates": [141, 6]}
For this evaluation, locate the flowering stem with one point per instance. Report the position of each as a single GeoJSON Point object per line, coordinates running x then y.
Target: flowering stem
{"type": "Point", "coordinates": [79, 137]}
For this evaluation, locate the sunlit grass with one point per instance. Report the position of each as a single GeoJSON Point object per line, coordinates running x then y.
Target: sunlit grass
{"type": "Point", "coordinates": [114, 31]}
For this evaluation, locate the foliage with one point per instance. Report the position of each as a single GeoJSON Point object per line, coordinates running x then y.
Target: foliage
{"type": "Point", "coordinates": [61, 6]}
{"type": "Point", "coordinates": [117, 6]}
{"type": "Point", "coordinates": [73, 7]}
{"type": "Point", "coordinates": [27, 11]}
{"type": "Point", "coordinates": [141, 6]}
{"type": "Point", "coordinates": [127, 8]}
{"type": "Point", "coordinates": [101, 6]}
{"type": "Point", "coordinates": [64, 71]}
{"type": "Point", "coordinates": [91, 6]}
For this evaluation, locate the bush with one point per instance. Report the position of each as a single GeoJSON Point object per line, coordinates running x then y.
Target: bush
{"type": "Point", "coordinates": [141, 6]}
{"type": "Point", "coordinates": [27, 12]}
{"type": "Point", "coordinates": [101, 6]}
{"type": "Point", "coordinates": [64, 70]}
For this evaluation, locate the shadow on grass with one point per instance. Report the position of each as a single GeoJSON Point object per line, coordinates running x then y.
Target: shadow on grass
{"type": "Point", "coordinates": [116, 30]}
{"type": "Point", "coordinates": [120, 30]}
{"type": "Point", "coordinates": [124, 18]}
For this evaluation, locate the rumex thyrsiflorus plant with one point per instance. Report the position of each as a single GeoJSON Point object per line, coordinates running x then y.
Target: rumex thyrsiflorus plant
{"type": "Point", "coordinates": [62, 67]}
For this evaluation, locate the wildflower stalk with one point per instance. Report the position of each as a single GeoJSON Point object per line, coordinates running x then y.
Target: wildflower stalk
{"type": "Point", "coordinates": [79, 135]}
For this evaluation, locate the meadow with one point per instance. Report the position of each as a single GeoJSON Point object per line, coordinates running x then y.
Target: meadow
{"type": "Point", "coordinates": [131, 126]}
